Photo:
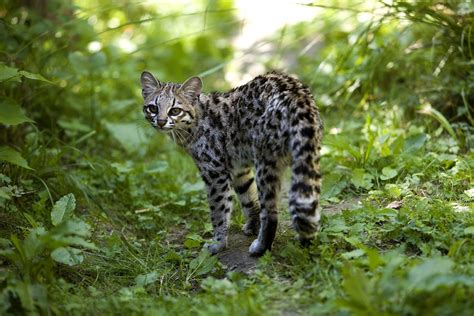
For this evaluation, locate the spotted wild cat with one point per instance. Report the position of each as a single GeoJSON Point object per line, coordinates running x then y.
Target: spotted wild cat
{"type": "Point", "coordinates": [267, 124]}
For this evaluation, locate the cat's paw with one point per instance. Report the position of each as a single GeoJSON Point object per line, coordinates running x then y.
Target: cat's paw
{"type": "Point", "coordinates": [215, 247]}
{"type": "Point", "coordinates": [251, 228]}
{"type": "Point", "coordinates": [257, 249]}
{"type": "Point", "coordinates": [305, 242]}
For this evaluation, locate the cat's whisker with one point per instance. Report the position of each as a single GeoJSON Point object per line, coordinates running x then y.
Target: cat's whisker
{"type": "Point", "coordinates": [182, 138]}
{"type": "Point", "coordinates": [174, 139]}
{"type": "Point", "coordinates": [185, 131]}
{"type": "Point", "coordinates": [176, 135]}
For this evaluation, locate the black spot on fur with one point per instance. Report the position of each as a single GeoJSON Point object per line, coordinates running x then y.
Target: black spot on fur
{"type": "Point", "coordinates": [303, 225]}
{"type": "Point", "coordinates": [248, 205]}
{"type": "Point", "coordinates": [213, 174]}
{"type": "Point", "coordinates": [308, 132]}
{"type": "Point", "coordinates": [241, 189]}
{"type": "Point", "coordinates": [308, 147]}
{"type": "Point", "coordinates": [270, 178]}
{"type": "Point", "coordinates": [296, 144]}
{"type": "Point", "coordinates": [301, 169]}
{"type": "Point", "coordinates": [270, 195]}
{"type": "Point", "coordinates": [306, 209]}
{"type": "Point", "coordinates": [213, 191]}
{"type": "Point", "coordinates": [221, 180]}
{"type": "Point", "coordinates": [206, 180]}
{"type": "Point", "coordinates": [301, 187]}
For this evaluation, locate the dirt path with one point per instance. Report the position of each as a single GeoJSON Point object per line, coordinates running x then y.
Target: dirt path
{"type": "Point", "coordinates": [236, 257]}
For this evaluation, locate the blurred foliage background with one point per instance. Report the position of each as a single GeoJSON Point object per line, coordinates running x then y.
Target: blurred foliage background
{"type": "Point", "coordinates": [94, 204]}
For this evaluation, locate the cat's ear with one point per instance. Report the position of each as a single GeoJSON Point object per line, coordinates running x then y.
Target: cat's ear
{"type": "Point", "coordinates": [149, 84]}
{"type": "Point", "coordinates": [191, 87]}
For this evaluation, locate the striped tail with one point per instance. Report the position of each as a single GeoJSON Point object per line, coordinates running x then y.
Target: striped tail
{"type": "Point", "coordinates": [305, 144]}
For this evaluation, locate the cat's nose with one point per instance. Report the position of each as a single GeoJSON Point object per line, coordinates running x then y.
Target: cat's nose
{"type": "Point", "coordinates": [161, 123]}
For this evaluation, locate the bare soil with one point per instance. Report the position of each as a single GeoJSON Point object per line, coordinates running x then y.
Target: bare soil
{"type": "Point", "coordinates": [236, 257]}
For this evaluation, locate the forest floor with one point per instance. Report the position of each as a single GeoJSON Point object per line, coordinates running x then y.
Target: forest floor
{"type": "Point", "coordinates": [396, 237]}
{"type": "Point", "coordinates": [236, 257]}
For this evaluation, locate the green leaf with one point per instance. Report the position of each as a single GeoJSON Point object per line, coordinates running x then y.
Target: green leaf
{"type": "Point", "coordinates": [420, 275]}
{"type": "Point", "coordinates": [427, 109]}
{"type": "Point", "coordinates": [33, 76]}
{"type": "Point", "coordinates": [31, 296]}
{"type": "Point", "coordinates": [157, 167]}
{"type": "Point", "coordinates": [63, 209]}
{"type": "Point", "coordinates": [393, 190]}
{"type": "Point", "coordinates": [74, 125]}
{"type": "Point", "coordinates": [79, 62]}
{"type": "Point", "coordinates": [469, 230]}
{"type": "Point", "coordinates": [12, 156]}
{"type": "Point", "coordinates": [120, 105]}
{"type": "Point", "coordinates": [203, 264]}
{"type": "Point", "coordinates": [77, 241]}
{"type": "Point", "coordinates": [414, 142]}
{"type": "Point", "coordinates": [7, 72]}
{"type": "Point", "coordinates": [333, 184]}
{"type": "Point", "coordinates": [193, 241]}
{"type": "Point", "coordinates": [172, 256]}
{"type": "Point", "coordinates": [75, 227]}
{"type": "Point", "coordinates": [145, 279]}
{"type": "Point", "coordinates": [357, 288]}
{"type": "Point", "coordinates": [194, 187]}
{"type": "Point", "coordinates": [361, 179]}
{"type": "Point", "coordinates": [336, 225]}
{"type": "Point", "coordinates": [5, 179]}
{"type": "Point", "coordinates": [128, 135]}
{"type": "Point", "coordinates": [374, 258]}
{"type": "Point", "coordinates": [11, 113]}
{"type": "Point", "coordinates": [5, 193]}
{"type": "Point", "coordinates": [353, 254]}
{"type": "Point", "coordinates": [223, 286]}
{"type": "Point", "coordinates": [388, 173]}
{"type": "Point", "coordinates": [67, 255]}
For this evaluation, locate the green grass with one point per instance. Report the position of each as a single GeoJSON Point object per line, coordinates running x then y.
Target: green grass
{"type": "Point", "coordinates": [146, 254]}
{"type": "Point", "coordinates": [100, 215]}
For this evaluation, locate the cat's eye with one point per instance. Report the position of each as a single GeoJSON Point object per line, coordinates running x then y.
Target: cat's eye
{"type": "Point", "coordinates": [174, 111]}
{"type": "Point", "coordinates": [153, 109]}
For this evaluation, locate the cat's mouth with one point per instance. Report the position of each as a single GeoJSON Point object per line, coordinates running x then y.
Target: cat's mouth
{"type": "Point", "coordinates": [163, 129]}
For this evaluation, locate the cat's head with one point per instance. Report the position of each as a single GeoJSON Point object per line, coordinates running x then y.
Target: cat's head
{"type": "Point", "coordinates": [170, 106]}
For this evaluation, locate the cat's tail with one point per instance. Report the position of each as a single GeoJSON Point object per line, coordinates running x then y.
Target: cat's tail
{"type": "Point", "coordinates": [305, 145]}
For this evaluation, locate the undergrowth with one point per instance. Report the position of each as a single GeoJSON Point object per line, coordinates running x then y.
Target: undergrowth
{"type": "Point", "coordinates": [99, 215]}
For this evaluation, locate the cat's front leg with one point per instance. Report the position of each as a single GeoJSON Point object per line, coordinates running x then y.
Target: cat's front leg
{"type": "Point", "coordinates": [268, 183]}
{"type": "Point", "coordinates": [244, 185]}
{"type": "Point", "coordinates": [220, 204]}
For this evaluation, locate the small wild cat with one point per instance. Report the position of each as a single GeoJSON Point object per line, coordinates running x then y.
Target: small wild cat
{"type": "Point", "coordinates": [268, 123]}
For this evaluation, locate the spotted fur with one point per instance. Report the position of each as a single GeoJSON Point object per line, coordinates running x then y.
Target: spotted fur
{"type": "Point", "coordinates": [267, 124]}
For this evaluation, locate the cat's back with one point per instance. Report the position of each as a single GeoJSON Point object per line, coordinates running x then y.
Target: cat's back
{"type": "Point", "coordinates": [270, 85]}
